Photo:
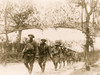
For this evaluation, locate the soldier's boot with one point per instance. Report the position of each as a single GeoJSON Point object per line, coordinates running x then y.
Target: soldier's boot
{"type": "Point", "coordinates": [30, 70]}
{"type": "Point", "coordinates": [60, 64]}
{"type": "Point", "coordinates": [27, 66]}
{"type": "Point", "coordinates": [64, 63]}
{"type": "Point", "coordinates": [43, 67]}
{"type": "Point", "coordinates": [56, 66]}
{"type": "Point", "coordinates": [40, 64]}
{"type": "Point", "coordinates": [31, 67]}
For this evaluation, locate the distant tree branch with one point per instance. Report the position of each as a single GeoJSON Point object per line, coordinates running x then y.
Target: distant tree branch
{"type": "Point", "coordinates": [85, 6]}
{"type": "Point", "coordinates": [92, 8]}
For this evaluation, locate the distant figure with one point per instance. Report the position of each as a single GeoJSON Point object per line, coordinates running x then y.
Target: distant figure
{"type": "Point", "coordinates": [43, 52]}
{"type": "Point", "coordinates": [72, 56]}
{"type": "Point", "coordinates": [56, 54]}
{"type": "Point", "coordinates": [30, 52]}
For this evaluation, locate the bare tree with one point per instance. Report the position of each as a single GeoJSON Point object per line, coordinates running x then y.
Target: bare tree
{"type": "Point", "coordinates": [19, 17]}
{"type": "Point", "coordinates": [3, 19]}
{"type": "Point", "coordinates": [85, 5]}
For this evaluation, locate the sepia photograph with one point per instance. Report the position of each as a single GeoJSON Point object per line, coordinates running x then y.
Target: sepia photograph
{"type": "Point", "coordinates": [49, 37]}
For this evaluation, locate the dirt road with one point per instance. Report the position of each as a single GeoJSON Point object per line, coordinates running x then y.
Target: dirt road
{"type": "Point", "coordinates": [20, 69]}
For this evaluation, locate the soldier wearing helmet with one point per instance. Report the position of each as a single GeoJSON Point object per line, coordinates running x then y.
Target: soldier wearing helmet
{"type": "Point", "coordinates": [30, 52]}
{"type": "Point", "coordinates": [43, 51]}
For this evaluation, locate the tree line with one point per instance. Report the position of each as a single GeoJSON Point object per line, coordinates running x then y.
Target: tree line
{"type": "Point", "coordinates": [19, 17]}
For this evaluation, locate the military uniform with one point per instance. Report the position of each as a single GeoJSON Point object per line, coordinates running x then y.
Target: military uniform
{"type": "Point", "coordinates": [30, 49]}
{"type": "Point", "coordinates": [57, 54]}
{"type": "Point", "coordinates": [43, 51]}
{"type": "Point", "coordinates": [29, 53]}
{"type": "Point", "coordinates": [58, 49]}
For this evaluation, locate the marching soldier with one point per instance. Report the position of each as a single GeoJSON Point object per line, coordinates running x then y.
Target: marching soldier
{"type": "Point", "coordinates": [43, 51]}
{"type": "Point", "coordinates": [30, 52]}
{"type": "Point", "coordinates": [56, 54]}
